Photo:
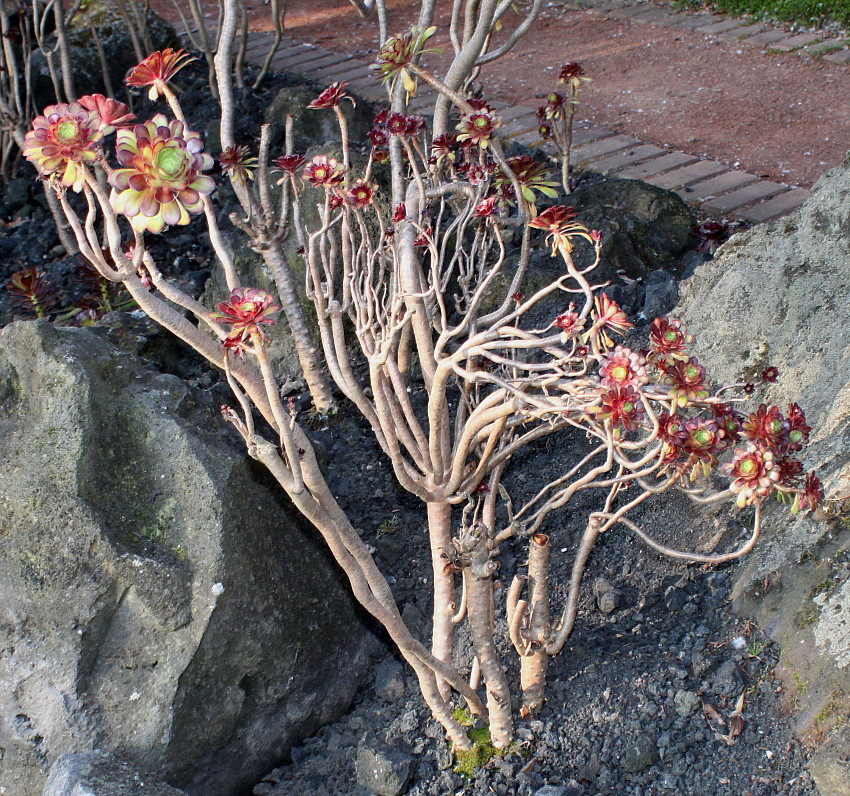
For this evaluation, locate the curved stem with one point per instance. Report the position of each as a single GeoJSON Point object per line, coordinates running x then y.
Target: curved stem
{"type": "Point", "coordinates": [698, 558]}
{"type": "Point", "coordinates": [568, 617]}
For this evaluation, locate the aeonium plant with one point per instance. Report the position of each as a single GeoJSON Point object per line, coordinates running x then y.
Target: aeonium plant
{"type": "Point", "coordinates": [400, 285]}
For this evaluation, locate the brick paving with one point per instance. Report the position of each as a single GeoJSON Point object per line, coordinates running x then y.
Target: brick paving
{"type": "Point", "coordinates": [617, 161]}
{"type": "Point", "coordinates": [840, 57]}
{"type": "Point", "coordinates": [679, 178]}
{"type": "Point", "coordinates": [724, 26]}
{"type": "Point", "coordinates": [705, 184]}
{"type": "Point", "coordinates": [795, 42]}
{"type": "Point", "coordinates": [657, 166]}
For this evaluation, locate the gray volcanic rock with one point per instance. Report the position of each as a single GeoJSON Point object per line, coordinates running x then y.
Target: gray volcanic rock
{"type": "Point", "coordinates": [94, 774]}
{"type": "Point", "coordinates": [313, 127]}
{"type": "Point", "coordinates": [159, 599]}
{"type": "Point", "coordinates": [644, 228]}
{"type": "Point", "coordinates": [777, 295]}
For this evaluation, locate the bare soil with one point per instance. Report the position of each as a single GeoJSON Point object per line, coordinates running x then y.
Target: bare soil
{"type": "Point", "coordinates": [782, 116]}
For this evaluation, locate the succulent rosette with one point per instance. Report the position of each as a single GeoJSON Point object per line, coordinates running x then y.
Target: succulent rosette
{"type": "Point", "coordinates": [704, 440]}
{"type": "Point", "coordinates": [531, 174]}
{"type": "Point", "coordinates": [728, 419]}
{"type": "Point", "coordinates": [424, 238]}
{"type": "Point", "coordinates": [63, 141]}
{"type": "Point", "coordinates": [607, 315]}
{"type": "Point", "coordinates": [671, 429]}
{"type": "Point", "coordinates": [331, 98]}
{"type": "Point", "coordinates": [485, 208]}
{"type": "Point", "coordinates": [668, 339]}
{"type": "Point", "coordinates": [798, 431]}
{"type": "Point", "coordinates": [247, 310]}
{"type": "Point", "coordinates": [287, 165]}
{"type": "Point", "coordinates": [622, 406]}
{"type": "Point", "coordinates": [623, 367]}
{"type": "Point", "coordinates": [397, 54]}
{"type": "Point", "coordinates": [810, 497]}
{"type": "Point", "coordinates": [237, 163]}
{"type": "Point", "coordinates": [443, 149]}
{"type": "Point", "coordinates": [32, 291]}
{"type": "Point", "coordinates": [111, 112]}
{"type": "Point", "coordinates": [558, 221]}
{"type": "Point", "coordinates": [754, 474]}
{"type": "Point", "coordinates": [360, 194]}
{"type": "Point", "coordinates": [710, 235]}
{"type": "Point", "coordinates": [323, 171]}
{"type": "Point", "coordinates": [572, 75]}
{"type": "Point", "coordinates": [767, 427]}
{"type": "Point", "coordinates": [161, 181]}
{"type": "Point", "coordinates": [770, 375]}
{"type": "Point", "coordinates": [686, 381]}
{"type": "Point", "coordinates": [478, 127]}
{"type": "Point", "coordinates": [378, 137]}
{"type": "Point", "coordinates": [404, 126]}
{"type": "Point", "coordinates": [555, 107]}
{"type": "Point", "coordinates": [157, 70]}
{"type": "Point", "coordinates": [570, 70]}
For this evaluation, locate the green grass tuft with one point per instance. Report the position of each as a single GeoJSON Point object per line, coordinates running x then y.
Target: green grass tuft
{"type": "Point", "coordinates": [805, 12]}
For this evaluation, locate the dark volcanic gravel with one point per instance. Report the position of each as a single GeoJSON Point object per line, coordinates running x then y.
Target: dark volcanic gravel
{"type": "Point", "coordinates": [624, 702]}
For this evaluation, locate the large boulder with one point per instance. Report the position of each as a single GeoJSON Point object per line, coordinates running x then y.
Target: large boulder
{"type": "Point", "coordinates": [644, 228]}
{"type": "Point", "coordinates": [313, 127]}
{"type": "Point", "coordinates": [95, 774]}
{"type": "Point", "coordinates": [158, 599]}
{"type": "Point", "coordinates": [777, 295]}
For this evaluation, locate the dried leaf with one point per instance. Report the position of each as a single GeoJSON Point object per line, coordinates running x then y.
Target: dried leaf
{"type": "Point", "coordinates": [739, 705]}
{"type": "Point", "coordinates": [736, 720]}
{"type": "Point", "coordinates": [711, 714]}
{"type": "Point", "coordinates": [736, 726]}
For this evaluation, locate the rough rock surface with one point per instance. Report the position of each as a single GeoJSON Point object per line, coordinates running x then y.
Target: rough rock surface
{"type": "Point", "coordinates": [830, 767]}
{"type": "Point", "coordinates": [382, 769]}
{"type": "Point", "coordinates": [157, 597]}
{"type": "Point", "coordinates": [312, 126]}
{"type": "Point", "coordinates": [644, 228]}
{"type": "Point", "coordinates": [776, 295]}
{"type": "Point", "coordinates": [94, 774]}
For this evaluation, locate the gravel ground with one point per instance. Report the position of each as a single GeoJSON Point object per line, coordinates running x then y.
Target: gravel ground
{"type": "Point", "coordinates": [655, 641]}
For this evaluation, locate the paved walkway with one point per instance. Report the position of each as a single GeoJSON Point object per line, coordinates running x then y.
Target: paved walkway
{"type": "Point", "coordinates": [707, 185]}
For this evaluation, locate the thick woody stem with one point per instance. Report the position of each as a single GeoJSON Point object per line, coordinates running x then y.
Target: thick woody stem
{"type": "Point", "coordinates": [442, 632]}
{"type": "Point", "coordinates": [533, 666]}
{"type": "Point", "coordinates": [309, 354]}
{"type": "Point", "coordinates": [478, 582]}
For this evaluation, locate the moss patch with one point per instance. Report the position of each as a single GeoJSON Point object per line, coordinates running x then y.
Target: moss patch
{"type": "Point", "coordinates": [482, 752]}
